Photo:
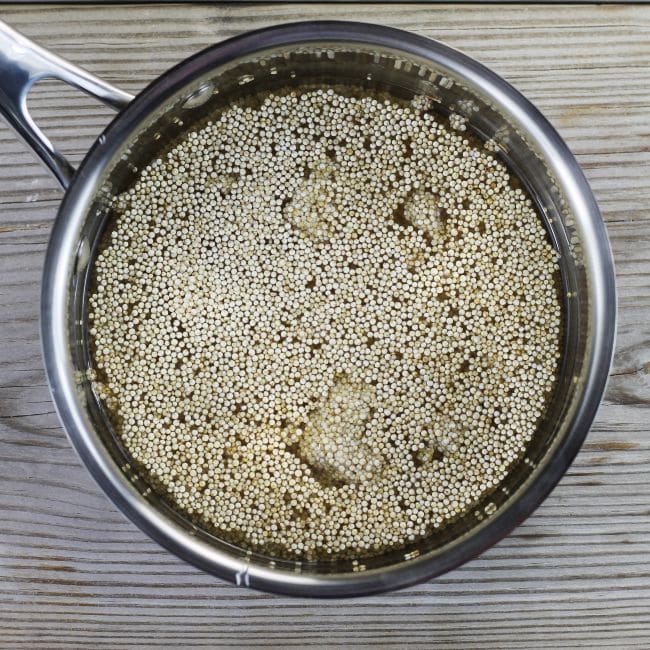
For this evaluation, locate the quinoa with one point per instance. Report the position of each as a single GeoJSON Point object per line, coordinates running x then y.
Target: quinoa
{"type": "Point", "coordinates": [325, 325]}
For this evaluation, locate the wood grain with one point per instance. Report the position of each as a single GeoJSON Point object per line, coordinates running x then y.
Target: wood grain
{"type": "Point", "coordinates": [75, 574]}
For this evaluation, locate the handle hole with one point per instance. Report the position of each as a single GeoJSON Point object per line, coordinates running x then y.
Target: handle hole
{"type": "Point", "coordinates": [69, 119]}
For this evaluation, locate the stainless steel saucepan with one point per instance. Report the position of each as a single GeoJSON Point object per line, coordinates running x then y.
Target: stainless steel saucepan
{"type": "Point", "coordinates": [371, 57]}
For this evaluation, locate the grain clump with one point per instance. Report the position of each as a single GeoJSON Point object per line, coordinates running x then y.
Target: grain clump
{"type": "Point", "coordinates": [325, 325]}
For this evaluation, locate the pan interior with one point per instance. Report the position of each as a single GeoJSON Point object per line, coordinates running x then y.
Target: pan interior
{"type": "Point", "coordinates": [373, 69]}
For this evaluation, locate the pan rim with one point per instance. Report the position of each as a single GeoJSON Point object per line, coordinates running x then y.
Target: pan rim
{"type": "Point", "coordinates": [61, 374]}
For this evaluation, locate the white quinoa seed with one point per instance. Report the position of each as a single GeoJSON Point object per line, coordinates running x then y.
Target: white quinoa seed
{"type": "Point", "coordinates": [325, 325]}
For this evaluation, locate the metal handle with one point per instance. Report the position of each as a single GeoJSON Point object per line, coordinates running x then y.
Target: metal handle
{"type": "Point", "coordinates": [23, 63]}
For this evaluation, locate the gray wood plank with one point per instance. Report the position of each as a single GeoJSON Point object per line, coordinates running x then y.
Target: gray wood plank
{"type": "Point", "coordinates": [74, 573]}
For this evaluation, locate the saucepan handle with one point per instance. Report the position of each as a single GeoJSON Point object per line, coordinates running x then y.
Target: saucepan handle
{"type": "Point", "coordinates": [23, 63]}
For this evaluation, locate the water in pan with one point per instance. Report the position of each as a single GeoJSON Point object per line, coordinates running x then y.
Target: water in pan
{"type": "Point", "coordinates": [325, 324]}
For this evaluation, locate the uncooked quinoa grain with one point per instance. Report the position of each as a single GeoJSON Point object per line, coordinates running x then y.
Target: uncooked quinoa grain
{"type": "Point", "coordinates": [325, 325]}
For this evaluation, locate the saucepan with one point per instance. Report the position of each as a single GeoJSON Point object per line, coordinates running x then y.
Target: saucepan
{"type": "Point", "coordinates": [325, 53]}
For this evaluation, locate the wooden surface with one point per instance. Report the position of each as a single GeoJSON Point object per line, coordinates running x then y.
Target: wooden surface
{"type": "Point", "coordinates": [74, 573]}
{"type": "Point", "coordinates": [368, 2]}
